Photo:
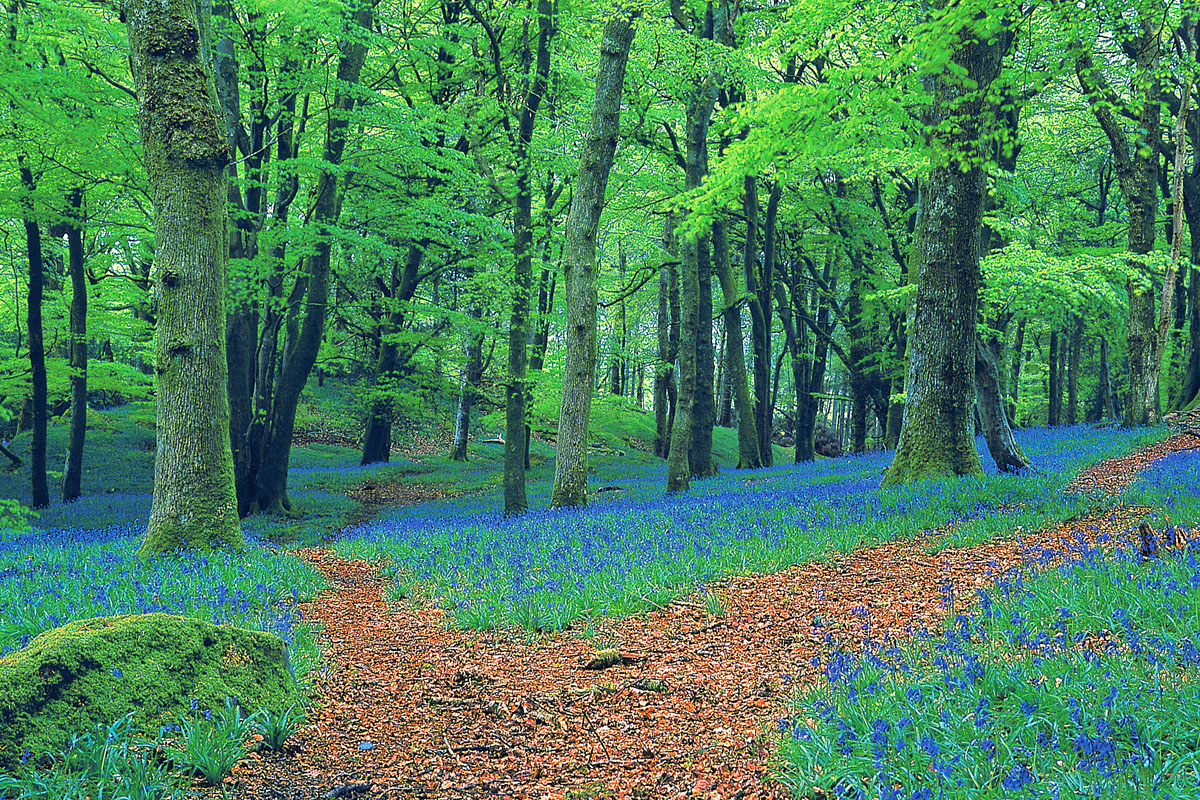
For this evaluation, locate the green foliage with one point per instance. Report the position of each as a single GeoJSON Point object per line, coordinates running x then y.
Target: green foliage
{"type": "Point", "coordinates": [210, 745]}
{"type": "Point", "coordinates": [277, 727]}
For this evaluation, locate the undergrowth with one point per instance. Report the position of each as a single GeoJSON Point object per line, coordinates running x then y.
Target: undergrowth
{"type": "Point", "coordinates": [635, 548]}
{"type": "Point", "coordinates": [1077, 680]}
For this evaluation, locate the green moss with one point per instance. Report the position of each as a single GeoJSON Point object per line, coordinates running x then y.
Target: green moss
{"type": "Point", "coordinates": [97, 670]}
{"type": "Point", "coordinates": [931, 456]}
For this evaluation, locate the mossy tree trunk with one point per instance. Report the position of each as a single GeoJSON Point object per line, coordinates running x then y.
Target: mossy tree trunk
{"type": "Point", "coordinates": [72, 473]}
{"type": "Point", "coordinates": [937, 436]}
{"type": "Point", "coordinates": [186, 151]}
{"type": "Point", "coordinates": [579, 260]}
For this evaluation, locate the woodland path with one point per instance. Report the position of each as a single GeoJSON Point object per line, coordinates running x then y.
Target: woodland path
{"type": "Point", "coordinates": [411, 709]}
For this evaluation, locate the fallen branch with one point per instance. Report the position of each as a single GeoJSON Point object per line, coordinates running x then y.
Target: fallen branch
{"type": "Point", "coordinates": [342, 791]}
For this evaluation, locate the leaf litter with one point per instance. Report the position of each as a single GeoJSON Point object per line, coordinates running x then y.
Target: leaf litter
{"type": "Point", "coordinates": [676, 703]}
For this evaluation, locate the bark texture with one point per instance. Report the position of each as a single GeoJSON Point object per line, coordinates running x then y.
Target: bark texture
{"type": "Point", "coordinates": [391, 363]}
{"type": "Point", "coordinates": [937, 434]}
{"type": "Point", "coordinates": [185, 151]}
{"type": "Point", "coordinates": [579, 261]}
{"type": "Point", "coordinates": [517, 391]}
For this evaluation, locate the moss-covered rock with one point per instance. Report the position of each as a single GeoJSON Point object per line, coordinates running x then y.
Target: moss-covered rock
{"type": "Point", "coordinates": [97, 670]}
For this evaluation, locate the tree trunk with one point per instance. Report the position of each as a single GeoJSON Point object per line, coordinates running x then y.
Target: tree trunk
{"type": "Point", "coordinates": [186, 151]}
{"type": "Point", "coordinates": [808, 404]}
{"type": "Point", "coordinates": [704, 414]}
{"type": "Point", "coordinates": [759, 317]}
{"type": "Point", "coordinates": [735, 357]}
{"type": "Point", "coordinates": [1073, 372]}
{"type": "Point", "coordinates": [391, 363]}
{"type": "Point", "coordinates": [73, 472]}
{"type": "Point", "coordinates": [299, 357]}
{"type": "Point", "coordinates": [765, 405]}
{"type": "Point", "coordinates": [1136, 163]}
{"type": "Point", "coordinates": [1018, 356]}
{"type": "Point", "coordinates": [517, 399]}
{"type": "Point", "coordinates": [39, 489]}
{"type": "Point", "coordinates": [1104, 406]}
{"type": "Point", "coordinates": [664, 367]}
{"type": "Point", "coordinates": [579, 261]}
{"type": "Point", "coordinates": [470, 389]}
{"type": "Point", "coordinates": [990, 400]}
{"type": "Point", "coordinates": [680, 470]}
{"type": "Point", "coordinates": [936, 437]}
{"type": "Point", "coordinates": [1054, 390]}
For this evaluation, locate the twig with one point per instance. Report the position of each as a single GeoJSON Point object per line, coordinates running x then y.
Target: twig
{"type": "Point", "coordinates": [342, 791]}
{"type": "Point", "coordinates": [592, 728]}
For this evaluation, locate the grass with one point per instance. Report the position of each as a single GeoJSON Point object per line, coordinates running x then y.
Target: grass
{"type": "Point", "coordinates": [636, 548]}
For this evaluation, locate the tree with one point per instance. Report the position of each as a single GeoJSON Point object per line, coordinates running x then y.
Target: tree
{"type": "Point", "coordinates": [937, 436]}
{"type": "Point", "coordinates": [185, 152]}
{"type": "Point", "coordinates": [73, 472]}
{"type": "Point", "coordinates": [1136, 162]}
{"type": "Point", "coordinates": [579, 259]}
{"type": "Point", "coordinates": [298, 360]}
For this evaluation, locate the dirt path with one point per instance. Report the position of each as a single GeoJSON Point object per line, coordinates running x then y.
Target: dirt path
{"type": "Point", "coordinates": [410, 709]}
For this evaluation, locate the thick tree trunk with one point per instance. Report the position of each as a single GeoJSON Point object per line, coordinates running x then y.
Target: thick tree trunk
{"type": "Point", "coordinates": [579, 261]}
{"type": "Point", "coordinates": [73, 471]}
{"type": "Point", "coordinates": [735, 357]}
{"type": "Point", "coordinates": [186, 151]}
{"type": "Point", "coordinates": [937, 435]}
{"type": "Point", "coordinates": [990, 399]}
{"type": "Point", "coordinates": [1190, 386]}
{"type": "Point", "coordinates": [299, 357]}
{"type": "Point", "coordinates": [39, 489]}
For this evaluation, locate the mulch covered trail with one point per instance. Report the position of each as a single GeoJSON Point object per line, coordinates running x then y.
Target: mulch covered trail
{"type": "Point", "coordinates": [411, 709]}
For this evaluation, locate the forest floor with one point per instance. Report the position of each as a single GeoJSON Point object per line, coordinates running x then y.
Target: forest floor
{"type": "Point", "coordinates": [410, 708]}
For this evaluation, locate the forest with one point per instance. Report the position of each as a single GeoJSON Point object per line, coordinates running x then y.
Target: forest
{"type": "Point", "coordinates": [615, 399]}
